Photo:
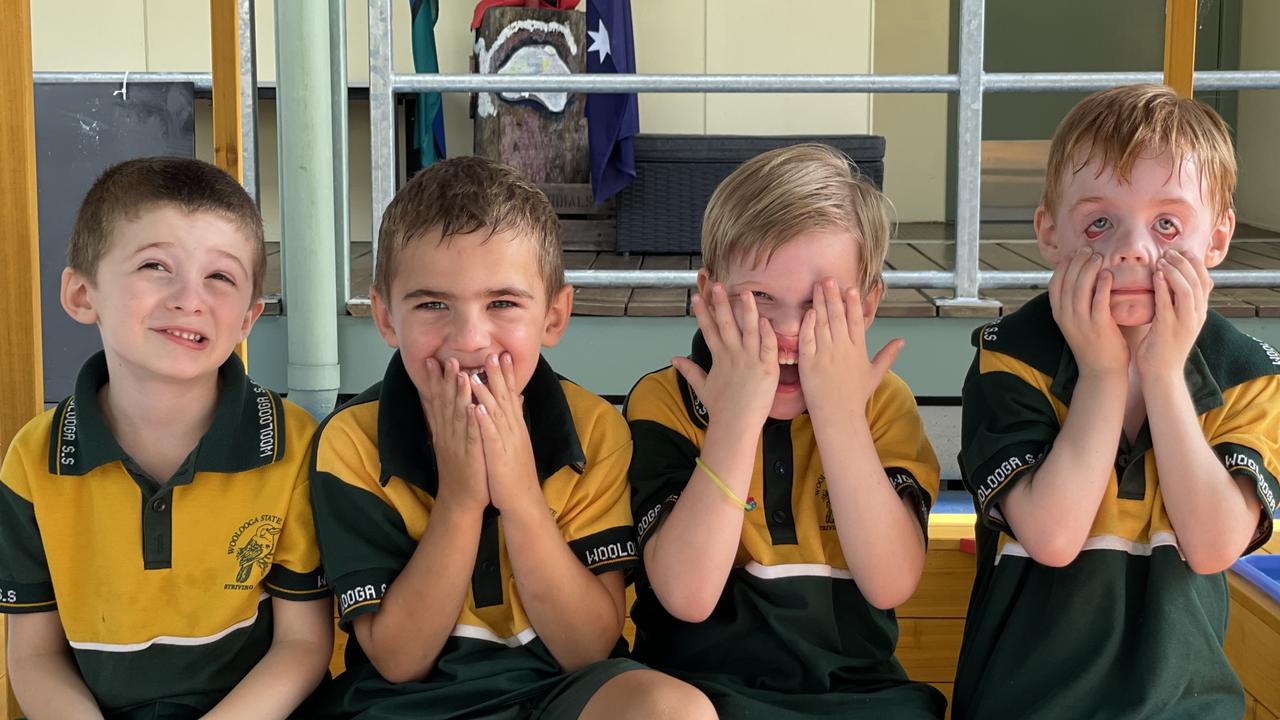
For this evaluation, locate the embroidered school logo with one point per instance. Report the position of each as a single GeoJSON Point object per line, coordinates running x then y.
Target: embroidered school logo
{"type": "Point", "coordinates": [829, 522]}
{"type": "Point", "coordinates": [252, 544]}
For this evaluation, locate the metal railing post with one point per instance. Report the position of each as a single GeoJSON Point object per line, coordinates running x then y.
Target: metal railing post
{"type": "Point", "coordinates": [382, 120]}
{"type": "Point", "coordinates": [341, 154]}
{"type": "Point", "coordinates": [248, 99]}
{"type": "Point", "coordinates": [969, 156]}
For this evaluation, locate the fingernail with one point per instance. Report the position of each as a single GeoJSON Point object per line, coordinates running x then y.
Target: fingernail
{"type": "Point", "coordinates": [480, 409]}
{"type": "Point", "coordinates": [506, 358]}
{"type": "Point", "coordinates": [492, 359]}
{"type": "Point", "coordinates": [476, 379]}
{"type": "Point", "coordinates": [1084, 251]}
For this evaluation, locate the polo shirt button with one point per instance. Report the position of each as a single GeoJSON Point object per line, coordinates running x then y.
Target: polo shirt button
{"type": "Point", "coordinates": [1123, 460]}
{"type": "Point", "coordinates": [159, 505]}
{"type": "Point", "coordinates": [486, 566]}
{"type": "Point", "coordinates": [779, 516]}
{"type": "Point", "coordinates": [779, 468]}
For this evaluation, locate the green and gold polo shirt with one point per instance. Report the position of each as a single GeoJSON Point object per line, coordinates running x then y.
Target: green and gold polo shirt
{"type": "Point", "coordinates": [163, 589]}
{"type": "Point", "coordinates": [1127, 630]}
{"type": "Point", "coordinates": [791, 629]}
{"type": "Point", "coordinates": [373, 486]}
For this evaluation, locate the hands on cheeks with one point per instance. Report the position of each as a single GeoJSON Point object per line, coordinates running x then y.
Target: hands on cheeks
{"type": "Point", "coordinates": [508, 451]}
{"type": "Point", "coordinates": [1182, 285]}
{"type": "Point", "coordinates": [1080, 295]}
{"type": "Point", "coordinates": [835, 372]}
{"type": "Point", "coordinates": [744, 374]}
{"type": "Point", "coordinates": [455, 434]}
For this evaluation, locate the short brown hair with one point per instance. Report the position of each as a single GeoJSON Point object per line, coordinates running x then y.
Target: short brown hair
{"type": "Point", "coordinates": [460, 196]}
{"type": "Point", "coordinates": [1120, 126]}
{"type": "Point", "coordinates": [777, 195]}
{"type": "Point", "coordinates": [129, 188]}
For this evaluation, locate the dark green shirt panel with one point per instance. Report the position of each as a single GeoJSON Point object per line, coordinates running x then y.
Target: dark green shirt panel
{"type": "Point", "coordinates": [286, 584]}
{"type": "Point", "coordinates": [363, 543]}
{"type": "Point", "coordinates": [25, 585]}
{"type": "Point", "coordinates": [1007, 426]}
{"type": "Point", "coordinates": [662, 460]}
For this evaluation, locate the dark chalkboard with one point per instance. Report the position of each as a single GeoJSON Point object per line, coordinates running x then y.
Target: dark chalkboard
{"type": "Point", "coordinates": [81, 130]}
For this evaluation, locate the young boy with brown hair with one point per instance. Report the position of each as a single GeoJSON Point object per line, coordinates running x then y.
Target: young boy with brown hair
{"type": "Point", "coordinates": [157, 557]}
{"type": "Point", "coordinates": [781, 478]}
{"type": "Point", "coordinates": [1119, 438]}
{"type": "Point", "coordinates": [472, 507]}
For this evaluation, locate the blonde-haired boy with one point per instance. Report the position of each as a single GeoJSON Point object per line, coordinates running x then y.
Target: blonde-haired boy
{"type": "Point", "coordinates": [781, 479]}
{"type": "Point", "coordinates": [1120, 439]}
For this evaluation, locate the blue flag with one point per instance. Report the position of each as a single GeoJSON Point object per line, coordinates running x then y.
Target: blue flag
{"type": "Point", "coordinates": [612, 119]}
{"type": "Point", "coordinates": [428, 132]}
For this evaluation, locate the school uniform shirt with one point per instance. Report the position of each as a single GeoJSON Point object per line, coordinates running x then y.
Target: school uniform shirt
{"type": "Point", "coordinates": [791, 636]}
{"type": "Point", "coordinates": [374, 483]}
{"type": "Point", "coordinates": [1128, 629]}
{"type": "Point", "coordinates": [164, 590]}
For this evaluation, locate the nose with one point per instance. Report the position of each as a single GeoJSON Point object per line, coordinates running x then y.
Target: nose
{"type": "Point", "coordinates": [1132, 247]}
{"type": "Point", "coordinates": [786, 323]}
{"type": "Point", "coordinates": [185, 295]}
{"type": "Point", "coordinates": [470, 332]}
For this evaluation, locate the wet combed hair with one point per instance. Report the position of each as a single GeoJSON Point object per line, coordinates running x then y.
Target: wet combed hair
{"type": "Point", "coordinates": [777, 195]}
{"type": "Point", "coordinates": [132, 187]}
{"type": "Point", "coordinates": [1115, 128]}
{"type": "Point", "coordinates": [463, 195]}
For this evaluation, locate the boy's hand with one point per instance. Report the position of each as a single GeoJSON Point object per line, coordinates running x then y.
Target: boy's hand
{"type": "Point", "coordinates": [835, 374]}
{"type": "Point", "coordinates": [455, 436]}
{"type": "Point", "coordinates": [744, 350]}
{"type": "Point", "coordinates": [1182, 286]}
{"type": "Point", "coordinates": [1080, 294]}
{"type": "Point", "coordinates": [508, 452]}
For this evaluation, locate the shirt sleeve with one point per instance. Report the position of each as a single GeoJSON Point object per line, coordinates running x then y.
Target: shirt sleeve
{"type": "Point", "coordinates": [1245, 434]}
{"type": "Point", "coordinates": [664, 454]}
{"type": "Point", "coordinates": [295, 572]}
{"type": "Point", "coordinates": [1008, 424]}
{"type": "Point", "coordinates": [903, 447]}
{"type": "Point", "coordinates": [363, 540]}
{"type": "Point", "coordinates": [596, 520]}
{"type": "Point", "coordinates": [25, 584]}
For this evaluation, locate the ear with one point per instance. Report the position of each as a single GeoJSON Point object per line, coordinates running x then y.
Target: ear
{"type": "Point", "coordinates": [1220, 239]}
{"type": "Point", "coordinates": [382, 319]}
{"type": "Point", "coordinates": [251, 316]}
{"type": "Point", "coordinates": [871, 303]}
{"type": "Point", "coordinates": [704, 283]}
{"type": "Point", "coordinates": [557, 319]}
{"type": "Point", "coordinates": [1046, 235]}
{"type": "Point", "coordinates": [76, 295]}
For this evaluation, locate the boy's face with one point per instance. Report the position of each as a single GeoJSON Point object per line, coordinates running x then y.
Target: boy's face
{"type": "Point", "coordinates": [783, 291]}
{"type": "Point", "coordinates": [172, 295]}
{"type": "Point", "coordinates": [1132, 224]}
{"type": "Point", "coordinates": [467, 299]}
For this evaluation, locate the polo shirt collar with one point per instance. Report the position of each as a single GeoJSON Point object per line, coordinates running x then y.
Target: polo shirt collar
{"type": "Point", "coordinates": [247, 431]}
{"type": "Point", "coordinates": [1205, 392]}
{"type": "Point", "coordinates": [404, 440]}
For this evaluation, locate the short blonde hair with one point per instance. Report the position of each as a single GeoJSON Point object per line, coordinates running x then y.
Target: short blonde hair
{"type": "Point", "coordinates": [1120, 126]}
{"type": "Point", "coordinates": [459, 196]}
{"type": "Point", "coordinates": [777, 195]}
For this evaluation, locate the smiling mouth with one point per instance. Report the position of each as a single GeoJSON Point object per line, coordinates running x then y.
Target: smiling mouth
{"type": "Point", "coordinates": [188, 337]}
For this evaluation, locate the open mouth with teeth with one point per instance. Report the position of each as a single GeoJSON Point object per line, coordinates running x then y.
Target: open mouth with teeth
{"type": "Point", "coordinates": [185, 337]}
{"type": "Point", "coordinates": [788, 373]}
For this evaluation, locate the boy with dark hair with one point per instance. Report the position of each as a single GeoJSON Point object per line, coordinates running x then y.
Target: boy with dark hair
{"type": "Point", "coordinates": [1119, 438]}
{"type": "Point", "coordinates": [472, 507]}
{"type": "Point", "coordinates": [782, 478]}
{"type": "Point", "coordinates": [157, 555]}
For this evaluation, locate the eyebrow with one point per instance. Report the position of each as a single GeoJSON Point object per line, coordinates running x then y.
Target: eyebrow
{"type": "Point", "coordinates": [1161, 202]}
{"type": "Point", "coordinates": [442, 295]}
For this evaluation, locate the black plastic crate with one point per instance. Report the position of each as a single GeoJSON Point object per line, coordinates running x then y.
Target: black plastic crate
{"type": "Point", "coordinates": [661, 211]}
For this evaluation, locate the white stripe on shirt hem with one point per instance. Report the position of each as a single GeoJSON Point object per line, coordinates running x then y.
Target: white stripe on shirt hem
{"type": "Point", "coordinates": [169, 639]}
{"type": "Point", "coordinates": [1105, 542]}
{"type": "Point", "coordinates": [774, 572]}
{"type": "Point", "coordinates": [524, 637]}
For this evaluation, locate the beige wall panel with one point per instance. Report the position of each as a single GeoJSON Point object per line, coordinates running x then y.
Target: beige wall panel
{"type": "Point", "coordinates": [178, 35]}
{"type": "Point", "coordinates": [1258, 143]}
{"type": "Point", "coordinates": [822, 36]}
{"type": "Point", "coordinates": [912, 37]}
{"type": "Point", "coordinates": [72, 35]}
{"type": "Point", "coordinates": [671, 38]}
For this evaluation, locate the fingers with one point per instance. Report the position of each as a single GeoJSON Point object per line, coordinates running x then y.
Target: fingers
{"type": "Point", "coordinates": [808, 342]}
{"type": "Point", "coordinates": [692, 374]}
{"type": "Point", "coordinates": [853, 311]}
{"type": "Point", "coordinates": [1189, 280]}
{"type": "Point", "coordinates": [749, 322]}
{"type": "Point", "coordinates": [706, 323]}
{"type": "Point", "coordinates": [822, 314]}
{"type": "Point", "coordinates": [1163, 295]}
{"type": "Point", "coordinates": [1101, 308]}
{"type": "Point", "coordinates": [884, 359]}
{"type": "Point", "coordinates": [726, 323]}
{"type": "Point", "coordinates": [768, 342]}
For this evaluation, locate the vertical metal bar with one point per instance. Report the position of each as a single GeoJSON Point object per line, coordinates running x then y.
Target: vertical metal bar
{"type": "Point", "coordinates": [382, 121]}
{"type": "Point", "coordinates": [969, 150]}
{"type": "Point", "coordinates": [248, 99]}
{"type": "Point", "coordinates": [1180, 45]}
{"type": "Point", "coordinates": [341, 141]}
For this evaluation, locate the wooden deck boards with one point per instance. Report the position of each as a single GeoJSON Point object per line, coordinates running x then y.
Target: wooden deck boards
{"type": "Point", "coordinates": [920, 246]}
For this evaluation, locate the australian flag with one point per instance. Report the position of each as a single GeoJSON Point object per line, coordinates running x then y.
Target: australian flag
{"type": "Point", "coordinates": [612, 119]}
{"type": "Point", "coordinates": [427, 140]}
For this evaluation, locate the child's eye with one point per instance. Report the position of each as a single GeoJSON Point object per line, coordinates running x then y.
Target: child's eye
{"type": "Point", "coordinates": [430, 305]}
{"type": "Point", "coordinates": [502, 304]}
{"type": "Point", "coordinates": [151, 265]}
{"type": "Point", "coordinates": [761, 295]}
{"type": "Point", "coordinates": [223, 277]}
{"type": "Point", "coordinates": [1167, 227]}
{"type": "Point", "coordinates": [1097, 227]}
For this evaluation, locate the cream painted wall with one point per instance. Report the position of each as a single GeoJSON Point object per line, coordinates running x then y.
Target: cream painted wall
{"type": "Point", "coordinates": [672, 36]}
{"type": "Point", "coordinates": [912, 37]}
{"type": "Point", "coordinates": [1258, 143]}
